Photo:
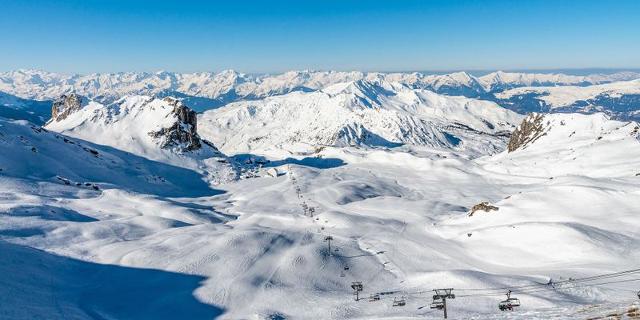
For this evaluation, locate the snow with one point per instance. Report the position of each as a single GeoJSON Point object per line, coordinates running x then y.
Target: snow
{"type": "Point", "coordinates": [368, 113]}
{"type": "Point", "coordinates": [567, 95]}
{"type": "Point", "coordinates": [157, 239]}
{"type": "Point", "coordinates": [126, 125]}
{"type": "Point", "coordinates": [228, 86]}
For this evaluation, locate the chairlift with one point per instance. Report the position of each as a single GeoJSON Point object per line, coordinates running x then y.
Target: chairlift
{"type": "Point", "coordinates": [437, 303]}
{"type": "Point", "coordinates": [638, 294]}
{"type": "Point", "coordinates": [509, 304]}
{"type": "Point", "coordinates": [357, 286]}
{"type": "Point", "coordinates": [374, 297]}
{"type": "Point", "coordinates": [346, 267]}
{"type": "Point", "coordinates": [399, 302]}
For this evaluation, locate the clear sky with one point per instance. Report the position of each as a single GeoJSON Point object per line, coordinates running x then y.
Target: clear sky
{"type": "Point", "coordinates": [270, 36]}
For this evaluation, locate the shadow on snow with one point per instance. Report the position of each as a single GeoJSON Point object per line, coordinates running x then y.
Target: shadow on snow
{"type": "Point", "coordinates": [35, 284]}
{"type": "Point", "coordinates": [315, 162]}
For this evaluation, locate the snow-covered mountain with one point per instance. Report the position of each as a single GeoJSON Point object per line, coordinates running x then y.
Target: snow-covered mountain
{"type": "Point", "coordinates": [206, 90]}
{"type": "Point", "coordinates": [158, 129]}
{"type": "Point", "coordinates": [359, 113]}
{"type": "Point", "coordinates": [499, 81]}
{"type": "Point", "coordinates": [16, 108]}
{"type": "Point", "coordinates": [618, 99]}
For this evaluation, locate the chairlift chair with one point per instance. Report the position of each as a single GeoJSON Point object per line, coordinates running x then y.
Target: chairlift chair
{"type": "Point", "coordinates": [399, 302]}
{"type": "Point", "coordinates": [437, 304]}
{"type": "Point", "coordinates": [509, 304]}
{"type": "Point", "coordinates": [374, 297]}
{"type": "Point", "coordinates": [515, 302]}
{"type": "Point", "coordinates": [505, 305]}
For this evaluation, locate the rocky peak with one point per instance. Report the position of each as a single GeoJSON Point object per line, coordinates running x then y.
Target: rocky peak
{"type": "Point", "coordinates": [66, 105]}
{"type": "Point", "coordinates": [183, 133]}
{"type": "Point", "coordinates": [527, 132]}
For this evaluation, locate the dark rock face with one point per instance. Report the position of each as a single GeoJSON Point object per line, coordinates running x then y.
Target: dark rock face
{"type": "Point", "coordinates": [66, 105]}
{"type": "Point", "coordinates": [528, 131]}
{"type": "Point", "coordinates": [183, 134]}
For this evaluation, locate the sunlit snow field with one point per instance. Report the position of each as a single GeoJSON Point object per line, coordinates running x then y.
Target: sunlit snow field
{"type": "Point", "coordinates": [399, 219]}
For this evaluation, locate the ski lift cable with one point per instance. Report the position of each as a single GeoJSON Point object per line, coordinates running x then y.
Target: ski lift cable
{"type": "Point", "coordinates": [584, 279]}
{"type": "Point", "coordinates": [393, 293]}
{"type": "Point", "coordinates": [581, 285]}
{"type": "Point", "coordinates": [536, 287]}
{"type": "Point", "coordinates": [534, 290]}
{"type": "Point", "coordinates": [567, 286]}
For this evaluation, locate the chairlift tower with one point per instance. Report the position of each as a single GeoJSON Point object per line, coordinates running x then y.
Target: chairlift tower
{"type": "Point", "coordinates": [443, 295]}
{"type": "Point", "coordinates": [357, 287]}
{"type": "Point", "coordinates": [328, 240]}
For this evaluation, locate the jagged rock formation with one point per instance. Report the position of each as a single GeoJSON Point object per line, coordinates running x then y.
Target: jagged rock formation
{"type": "Point", "coordinates": [66, 105]}
{"type": "Point", "coordinates": [483, 206]}
{"type": "Point", "coordinates": [528, 131]}
{"type": "Point", "coordinates": [183, 133]}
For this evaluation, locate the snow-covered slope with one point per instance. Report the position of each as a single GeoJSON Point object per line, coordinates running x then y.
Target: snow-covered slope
{"type": "Point", "coordinates": [32, 152]}
{"type": "Point", "coordinates": [567, 144]}
{"type": "Point", "coordinates": [360, 113]}
{"type": "Point", "coordinates": [400, 223]}
{"type": "Point", "coordinates": [158, 129]}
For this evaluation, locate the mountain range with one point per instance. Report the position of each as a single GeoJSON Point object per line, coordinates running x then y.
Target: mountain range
{"type": "Point", "coordinates": [122, 201]}
{"type": "Point", "coordinates": [206, 90]}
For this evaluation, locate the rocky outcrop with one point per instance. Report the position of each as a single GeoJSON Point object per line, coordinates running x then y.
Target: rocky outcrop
{"type": "Point", "coordinates": [527, 132]}
{"type": "Point", "coordinates": [483, 206]}
{"type": "Point", "coordinates": [66, 105]}
{"type": "Point", "coordinates": [183, 134]}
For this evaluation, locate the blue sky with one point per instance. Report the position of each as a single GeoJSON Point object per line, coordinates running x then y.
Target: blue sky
{"type": "Point", "coordinates": [270, 36]}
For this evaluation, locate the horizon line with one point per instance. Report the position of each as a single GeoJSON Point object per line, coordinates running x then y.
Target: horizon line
{"type": "Point", "coordinates": [425, 71]}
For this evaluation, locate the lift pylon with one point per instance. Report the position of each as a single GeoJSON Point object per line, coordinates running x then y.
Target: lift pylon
{"type": "Point", "coordinates": [440, 299]}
